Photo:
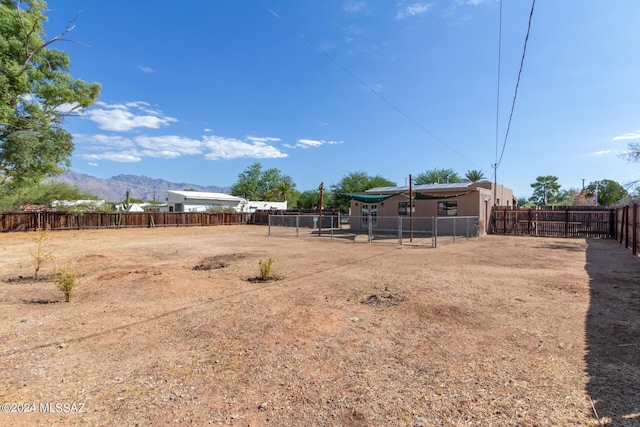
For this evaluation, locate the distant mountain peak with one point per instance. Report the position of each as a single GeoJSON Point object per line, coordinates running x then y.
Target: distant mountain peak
{"type": "Point", "coordinates": [114, 189]}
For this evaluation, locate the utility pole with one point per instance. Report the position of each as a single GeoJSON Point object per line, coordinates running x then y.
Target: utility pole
{"type": "Point", "coordinates": [495, 184]}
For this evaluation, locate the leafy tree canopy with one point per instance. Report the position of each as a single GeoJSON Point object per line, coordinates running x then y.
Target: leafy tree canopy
{"type": "Point", "coordinates": [355, 182]}
{"type": "Point", "coordinates": [40, 194]}
{"type": "Point", "coordinates": [438, 176]}
{"type": "Point", "coordinates": [546, 191]}
{"type": "Point", "coordinates": [254, 183]}
{"type": "Point", "coordinates": [36, 94]}
{"type": "Point", "coordinates": [609, 192]}
{"type": "Point", "coordinates": [308, 199]}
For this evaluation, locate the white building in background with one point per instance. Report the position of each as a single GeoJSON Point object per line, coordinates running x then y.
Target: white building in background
{"type": "Point", "coordinates": [265, 206]}
{"type": "Point", "coordinates": [197, 201]}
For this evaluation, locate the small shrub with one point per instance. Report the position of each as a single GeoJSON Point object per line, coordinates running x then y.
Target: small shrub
{"type": "Point", "coordinates": [66, 281]}
{"type": "Point", "coordinates": [40, 254]}
{"type": "Point", "coordinates": [265, 269]}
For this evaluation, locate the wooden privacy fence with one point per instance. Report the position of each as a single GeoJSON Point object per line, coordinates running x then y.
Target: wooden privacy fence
{"type": "Point", "coordinates": [626, 226]}
{"type": "Point", "coordinates": [564, 221]}
{"type": "Point", "coordinates": [25, 221]}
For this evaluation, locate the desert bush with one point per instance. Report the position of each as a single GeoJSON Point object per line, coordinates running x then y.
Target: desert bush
{"type": "Point", "coordinates": [265, 269]}
{"type": "Point", "coordinates": [66, 280]}
{"type": "Point", "coordinates": [40, 254]}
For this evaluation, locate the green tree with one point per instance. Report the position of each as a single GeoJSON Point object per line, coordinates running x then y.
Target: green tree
{"type": "Point", "coordinates": [41, 194]}
{"type": "Point", "coordinates": [36, 94]}
{"type": "Point", "coordinates": [269, 185]}
{"type": "Point", "coordinates": [546, 191]}
{"type": "Point", "coordinates": [474, 176]}
{"type": "Point", "coordinates": [438, 176]}
{"type": "Point", "coordinates": [354, 182]}
{"type": "Point", "coordinates": [307, 199]}
{"type": "Point", "coordinates": [609, 192]}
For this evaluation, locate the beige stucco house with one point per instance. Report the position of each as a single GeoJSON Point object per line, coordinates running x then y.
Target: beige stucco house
{"type": "Point", "coordinates": [430, 200]}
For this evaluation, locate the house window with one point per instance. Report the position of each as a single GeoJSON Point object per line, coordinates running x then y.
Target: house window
{"type": "Point", "coordinates": [403, 208]}
{"type": "Point", "coordinates": [369, 213]}
{"type": "Point", "coordinates": [447, 208]}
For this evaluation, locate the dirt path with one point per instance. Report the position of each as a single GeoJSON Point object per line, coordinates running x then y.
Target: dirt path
{"type": "Point", "coordinates": [166, 327]}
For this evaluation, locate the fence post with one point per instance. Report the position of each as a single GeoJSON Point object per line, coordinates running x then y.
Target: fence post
{"type": "Point", "coordinates": [435, 231]}
{"type": "Point", "coordinates": [467, 229]}
{"type": "Point", "coordinates": [455, 221]}
{"type": "Point", "coordinates": [399, 230]}
{"type": "Point", "coordinates": [634, 230]}
{"type": "Point", "coordinates": [566, 223]}
{"type": "Point", "coordinates": [297, 225]}
{"type": "Point", "coordinates": [269, 225]}
{"type": "Point", "coordinates": [370, 225]}
{"type": "Point", "coordinates": [504, 219]}
{"type": "Point", "coordinates": [625, 215]}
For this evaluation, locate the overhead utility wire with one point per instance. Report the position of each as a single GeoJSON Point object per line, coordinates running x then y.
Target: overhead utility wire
{"type": "Point", "coordinates": [498, 89]}
{"type": "Point", "coordinates": [515, 95]}
{"type": "Point", "coordinates": [359, 80]}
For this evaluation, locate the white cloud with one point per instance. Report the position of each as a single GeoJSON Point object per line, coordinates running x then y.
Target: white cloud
{"type": "Point", "coordinates": [220, 147]}
{"type": "Point", "coordinates": [145, 69]}
{"type": "Point", "coordinates": [307, 143]}
{"type": "Point", "coordinates": [125, 117]}
{"type": "Point", "coordinates": [123, 157]}
{"type": "Point", "coordinates": [93, 164]}
{"type": "Point", "coordinates": [353, 6]}
{"type": "Point", "coordinates": [168, 146]}
{"type": "Point", "coordinates": [105, 142]}
{"type": "Point", "coordinates": [602, 152]}
{"type": "Point", "coordinates": [632, 136]}
{"type": "Point", "coordinates": [121, 149]}
{"type": "Point", "coordinates": [262, 139]}
{"type": "Point", "coordinates": [414, 9]}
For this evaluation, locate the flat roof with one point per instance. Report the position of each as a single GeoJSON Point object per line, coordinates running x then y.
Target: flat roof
{"type": "Point", "coordinates": [201, 195]}
{"type": "Point", "coordinates": [421, 188]}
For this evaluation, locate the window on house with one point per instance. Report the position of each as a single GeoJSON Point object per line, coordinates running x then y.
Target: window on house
{"type": "Point", "coordinates": [403, 208]}
{"type": "Point", "coordinates": [447, 208]}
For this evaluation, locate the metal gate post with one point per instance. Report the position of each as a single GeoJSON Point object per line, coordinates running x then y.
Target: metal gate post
{"type": "Point", "coordinates": [454, 229]}
{"type": "Point", "coordinates": [435, 231]}
{"type": "Point", "coordinates": [399, 230]}
{"type": "Point", "coordinates": [269, 222]}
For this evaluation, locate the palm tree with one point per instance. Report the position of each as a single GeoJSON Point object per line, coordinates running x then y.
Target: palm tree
{"type": "Point", "coordinates": [285, 189]}
{"type": "Point", "coordinates": [475, 175]}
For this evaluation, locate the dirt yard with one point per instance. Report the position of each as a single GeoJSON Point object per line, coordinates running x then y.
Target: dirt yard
{"type": "Point", "coordinates": [169, 326]}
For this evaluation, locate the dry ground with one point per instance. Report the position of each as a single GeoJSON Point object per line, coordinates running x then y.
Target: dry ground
{"type": "Point", "coordinates": [167, 328]}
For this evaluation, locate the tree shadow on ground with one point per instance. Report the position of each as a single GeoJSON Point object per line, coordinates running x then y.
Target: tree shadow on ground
{"type": "Point", "coordinates": [613, 333]}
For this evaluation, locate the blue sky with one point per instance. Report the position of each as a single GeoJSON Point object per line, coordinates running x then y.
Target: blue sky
{"type": "Point", "coordinates": [196, 92]}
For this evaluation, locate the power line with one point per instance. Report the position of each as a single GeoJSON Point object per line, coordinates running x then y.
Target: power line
{"type": "Point", "coordinates": [364, 84]}
{"type": "Point", "coordinates": [515, 95]}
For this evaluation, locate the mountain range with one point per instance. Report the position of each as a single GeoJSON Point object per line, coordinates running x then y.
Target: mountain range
{"type": "Point", "coordinates": [115, 189]}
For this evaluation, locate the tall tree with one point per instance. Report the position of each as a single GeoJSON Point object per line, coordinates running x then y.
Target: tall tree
{"type": "Point", "coordinates": [546, 191]}
{"type": "Point", "coordinates": [269, 185]}
{"type": "Point", "coordinates": [36, 94]}
{"type": "Point", "coordinates": [475, 175]}
{"type": "Point", "coordinates": [438, 176]}
{"type": "Point", "coordinates": [355, 182]}
{"type": "Point", "coordinates": [609, 192]}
